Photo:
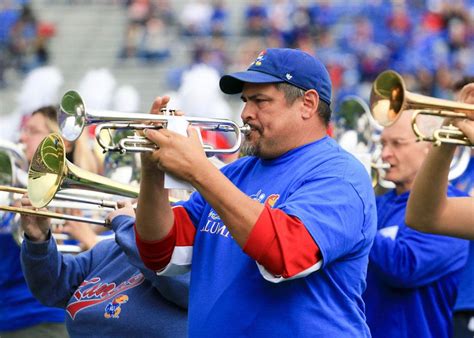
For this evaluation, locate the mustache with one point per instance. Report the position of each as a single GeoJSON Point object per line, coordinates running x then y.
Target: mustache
{"type": "Point", "coordinates": [254, 127]}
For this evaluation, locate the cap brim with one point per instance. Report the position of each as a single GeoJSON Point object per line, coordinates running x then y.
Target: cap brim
{"type": "Point", "coordinates": [233, 83]}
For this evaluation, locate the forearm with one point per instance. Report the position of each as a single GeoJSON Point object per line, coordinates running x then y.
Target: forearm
{"type": "Point", "coordinates": [40, 261]}
{"type": "Point", "coordinates": [238, 211]}
{"type": "Point", "coordinates": [427, 203]}
{"type": "Point", "coordinates": [175, 289]}
{"type": "Point", "coordinates": [154, 218]}
{"type": "Point", "coordinates": [84, 156]}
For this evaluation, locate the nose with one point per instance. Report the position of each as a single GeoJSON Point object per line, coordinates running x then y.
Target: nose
{"type": "Point", "coordinates": [23, 136]}
{"type": "Point", "coordinates": [386, 153]}
{"type": "Point", "coordinates": [248, 113]}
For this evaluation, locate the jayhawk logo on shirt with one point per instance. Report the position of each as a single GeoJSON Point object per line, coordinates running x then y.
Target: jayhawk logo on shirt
{"type": "Point", "coordinates": [113, 309]}
{"type": "Point", "coordinates": [271, 200]}
{"type": "Point", "coordinates": [93, 292]}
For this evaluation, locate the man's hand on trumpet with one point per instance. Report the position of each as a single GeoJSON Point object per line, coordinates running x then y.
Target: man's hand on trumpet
{"type": "Point", "coordinates": [176, 154]}
{"type": "Point", "coordinates": [467, 125]}
{"type": "Point", "coordinates": [158, 104]}
{"type": "Point", "coordinates": [36, 228]}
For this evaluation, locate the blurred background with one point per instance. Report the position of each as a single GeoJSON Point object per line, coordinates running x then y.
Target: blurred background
{"type": "Point", "coordinates": [122, 53]}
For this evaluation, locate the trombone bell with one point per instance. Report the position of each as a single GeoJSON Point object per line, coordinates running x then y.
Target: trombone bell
{"type": "Point", "coordinates": [50, 171]}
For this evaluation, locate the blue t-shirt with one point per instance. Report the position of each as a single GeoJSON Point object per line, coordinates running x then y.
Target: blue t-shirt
{"type": "Point", "coordinates": [330, 192]}
{"type": "Point", "coordinates": [413, 277]}
{"type": "Point", "coordinates": [18, 308]}
{"type": "Point", "coordinates": [465, 300]}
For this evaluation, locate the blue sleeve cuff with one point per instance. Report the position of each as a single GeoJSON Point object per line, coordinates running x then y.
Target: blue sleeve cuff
{"type": "Point", "coordinates": [38, 248]}
{"type": "Point", "coordinates": [120, 220]}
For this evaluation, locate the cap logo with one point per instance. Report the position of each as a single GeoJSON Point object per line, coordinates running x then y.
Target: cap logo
{"type": "Point", "coordinates": [259, 59]}
{"type": "Point", "coordinates": [288, 76]}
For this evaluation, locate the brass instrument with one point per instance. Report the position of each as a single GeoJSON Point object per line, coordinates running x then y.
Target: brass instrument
{"type": "Point", "coordinates": [69, 197]}
{"type": "Point", "coordinates": [389, 98]}
{"type": "Point", "coordinates": [357, 132]}
{"type": "Point", "coordinates": [13, 164]}
{"type": "Point", "coordinates": [73, 117]}
{"type": "Point", "coordinates": [51, 171]}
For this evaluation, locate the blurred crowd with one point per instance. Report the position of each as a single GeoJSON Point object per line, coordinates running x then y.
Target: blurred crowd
{"type": "Point", "coordinates": [23, 38]}
{"type": "Point", "coordinates": [429, 42]}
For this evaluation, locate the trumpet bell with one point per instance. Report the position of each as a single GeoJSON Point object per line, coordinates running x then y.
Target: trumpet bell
{"type": "Point", "coordinates": [72, 117]}
{"type": "Point", "coordinates": [387, 97]}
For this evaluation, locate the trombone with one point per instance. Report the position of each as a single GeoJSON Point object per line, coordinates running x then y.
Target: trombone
{"type": "Point", "coordinates": [70, 197]}
{"type": "Point", "coordinates": [389, 97]}
{"type": "Point", "coordinates": [50, 171]}
{"type": "Point", "coordinates": [73, 117]}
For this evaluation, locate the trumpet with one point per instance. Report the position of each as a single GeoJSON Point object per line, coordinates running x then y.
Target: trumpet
{"type": "Point", "coordinates": [73, 117]}
{"type": "Point", "coordinates": [389, 98]}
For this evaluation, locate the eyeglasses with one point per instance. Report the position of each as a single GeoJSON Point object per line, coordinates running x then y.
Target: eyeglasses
{"type": "Point", "coordinates": [398, 143]}
{"type": "Point", "coordinates": [33, 131]}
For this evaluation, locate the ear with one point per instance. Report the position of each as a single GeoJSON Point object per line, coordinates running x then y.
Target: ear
{"type": "Point", "coordinates": [310, 104]}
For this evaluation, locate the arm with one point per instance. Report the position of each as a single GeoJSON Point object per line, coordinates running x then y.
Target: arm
{"type": "Point", "coordinates": [175, 289]}
{"type": "Point", "coordinates": [416, 259]}
{"type": "Point", "coordinates": [185, 158]}
{"type": "Point", "coordinates": [51, 276]}
{"type": "Point", "coordinates": [154, 218]}
{"type": "Point", "coordinates": [428, 207]}
{"type": "Point", "coordinates": [84, 155]}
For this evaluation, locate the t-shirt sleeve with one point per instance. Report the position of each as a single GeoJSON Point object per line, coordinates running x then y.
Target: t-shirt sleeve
{"type": "Point", "coordinates": [333, 212]}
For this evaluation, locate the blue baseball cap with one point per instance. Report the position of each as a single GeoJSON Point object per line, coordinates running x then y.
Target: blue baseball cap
{"type": "Point", "coordinates": [276, 65]}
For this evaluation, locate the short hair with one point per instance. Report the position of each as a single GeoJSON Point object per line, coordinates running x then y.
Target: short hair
{"type": "Point", "coordinates": [292, 93]}
{"type": "Point", "coordinates": [51, 115]}
{"type": "Point", "coordinates": [458, 85]}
